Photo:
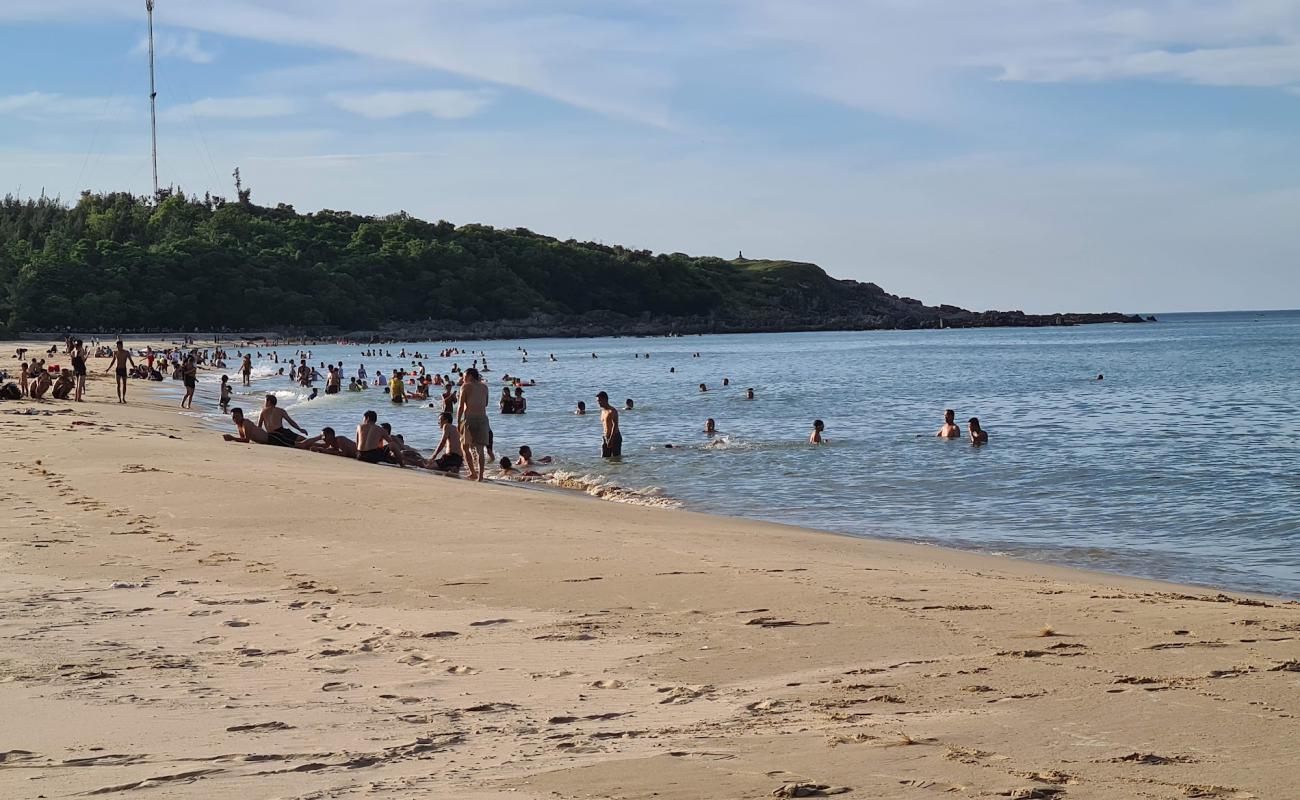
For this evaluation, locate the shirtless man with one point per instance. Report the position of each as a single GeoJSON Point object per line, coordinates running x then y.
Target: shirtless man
{"type": "Point", "coordinates": [118, 362]}
{"type": "Point", "coordinates": [816, 437]}
{"type": "Point", "coordinates": [273, 419]}
{"type": "Point", "coordinates": [453, 458]}
{"type": "Point", "coordinates": [248, 432]}
{"type": "Point", "coordinates": [612, 443]}
{"type": "Point", "coordinates": [246, 369]}
{"type": "Point", "coordinates": [950, 429]}
{"type": "Point", "coordinates": [374, 445]}
{"type": "Point", "coordinates": [327, 442]}
{"type": "Point", "coordinates": [475, 430]}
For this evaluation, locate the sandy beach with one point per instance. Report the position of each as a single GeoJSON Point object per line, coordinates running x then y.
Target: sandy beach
{"type": "Point", "coordinates": [182, 617]}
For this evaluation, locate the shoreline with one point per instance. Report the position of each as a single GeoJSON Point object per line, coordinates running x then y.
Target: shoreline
{"type": "Point", "coordinates": [204, 619]}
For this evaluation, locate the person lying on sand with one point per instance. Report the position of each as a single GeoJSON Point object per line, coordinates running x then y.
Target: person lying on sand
{"type": "Point", "coordinates": [526, 458]}
{"type": "Point", "coordinates": [248, 432]}
{"type": "Point", "coordinates": [510, 472]}
{"type": "Point", "coordinates": [273, 420]}
{"type": "Point", "coordinates": [330, 444]}
{"type": "Point", "coordinates": [950, 429]}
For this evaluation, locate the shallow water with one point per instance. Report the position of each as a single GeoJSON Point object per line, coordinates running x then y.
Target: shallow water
{"type": "Point", "coordinates": [1183, 464]}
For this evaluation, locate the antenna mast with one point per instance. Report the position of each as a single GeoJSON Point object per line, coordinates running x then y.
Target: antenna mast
{"type": "Point", "coordinates": [153, 100]}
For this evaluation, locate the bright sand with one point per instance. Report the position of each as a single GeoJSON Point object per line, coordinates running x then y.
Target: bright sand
{"type": "Point", "coordinates": [203, 619]}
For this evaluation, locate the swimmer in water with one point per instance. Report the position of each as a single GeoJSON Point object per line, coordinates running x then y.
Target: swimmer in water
{"type": "Point", "coordinates": [509, 470]}
{"type": "Point", "coordinates": [703, 388]}
{"type": "Point", "coordinates": [977, 434]}
{"type": "Point", "coordinates": [816, 436]}
{"type": "Point", "coordinates": [526, 458]}
{"type": "Point", "coordinates": [709, 427]}
{"type": "Point", "coordinates": [749, 394]}
{"type": "Point", "coordinates": [1101, 377]}
{"type": "Point", "coordinates": [627, 404]}
{"type": "Point", "coordinates": [582, 408]}
{"type": "Point", "coordinates": [950, 429]}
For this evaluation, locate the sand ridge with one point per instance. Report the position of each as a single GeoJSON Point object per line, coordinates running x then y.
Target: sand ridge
{"type": "Point", "coordinates": [187, 618]}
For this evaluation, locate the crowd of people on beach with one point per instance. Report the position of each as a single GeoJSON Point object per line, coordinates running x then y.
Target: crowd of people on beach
{"type": "Point", "coordinates": [466, 438]}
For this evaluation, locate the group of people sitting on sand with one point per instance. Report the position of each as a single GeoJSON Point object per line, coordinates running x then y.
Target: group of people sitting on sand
{"type": "Point", "coordinates": [471, 444]}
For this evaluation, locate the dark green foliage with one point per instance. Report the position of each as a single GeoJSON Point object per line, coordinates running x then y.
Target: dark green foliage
{"type": "Point", "coordinates": [117, 261]}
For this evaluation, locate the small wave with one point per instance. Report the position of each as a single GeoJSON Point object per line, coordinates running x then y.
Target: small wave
{"type": "Point", "coordinates": [599, 486]}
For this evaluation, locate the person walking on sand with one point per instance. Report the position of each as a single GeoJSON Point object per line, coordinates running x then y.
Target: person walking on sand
{"type": "Point", "coordinates": [189, 376]}
{"type": "Point", "coordinates": [475, 430]}
{"type": "Point", "coordinates": [118, 362]}
{"type": "Point", "coordinates": [612, 442]}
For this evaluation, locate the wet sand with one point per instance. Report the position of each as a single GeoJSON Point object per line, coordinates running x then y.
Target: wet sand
{"type": "Point", "coordinates": [182, 617]}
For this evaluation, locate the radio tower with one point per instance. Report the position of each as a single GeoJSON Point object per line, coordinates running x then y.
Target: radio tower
{"type": "Point", "coordinates": [153, 101]}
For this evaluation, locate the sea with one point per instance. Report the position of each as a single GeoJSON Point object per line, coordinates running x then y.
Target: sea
{"type": "Point", "coordinates": [1182, 463]}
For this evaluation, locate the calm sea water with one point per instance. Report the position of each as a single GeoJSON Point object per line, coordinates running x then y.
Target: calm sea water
{"type": "Point", "coordinates": [1183, 464]}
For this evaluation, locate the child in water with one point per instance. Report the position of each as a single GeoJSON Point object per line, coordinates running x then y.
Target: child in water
{"type": "Point", "coordinates": [225, 393]}
{"type": "Point", "coordinates": [816, 437]}
{"type": "Point", "coordinates": [508, 470]}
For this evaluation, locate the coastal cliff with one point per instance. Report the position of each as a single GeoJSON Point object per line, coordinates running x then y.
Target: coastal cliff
{"type": "Point", "coordinates": [120, 262]}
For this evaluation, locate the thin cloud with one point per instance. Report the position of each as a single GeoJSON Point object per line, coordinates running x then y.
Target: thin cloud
{"type": "Point", "coordinates": [438, 103]}
{"type": "Point", "coordinates": [256, 107]}
{"type": "Point", "coordinates": [186, 46]}
{"type": "Point", "coordinates": [45, 106]}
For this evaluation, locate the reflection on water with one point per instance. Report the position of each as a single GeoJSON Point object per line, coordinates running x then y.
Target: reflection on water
{"type": "Point", "coordinates": [1183, 463]}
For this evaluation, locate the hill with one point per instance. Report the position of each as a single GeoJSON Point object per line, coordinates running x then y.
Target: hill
{"type": "Point", "coordinates": [120, 262]}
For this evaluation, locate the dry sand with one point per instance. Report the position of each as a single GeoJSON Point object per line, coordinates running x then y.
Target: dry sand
{"type": "Point", "coordinates": [181, 617]}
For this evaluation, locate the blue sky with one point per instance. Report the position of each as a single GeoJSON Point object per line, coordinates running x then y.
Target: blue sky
{"type": "Point", "coordinates": [1034, 154]}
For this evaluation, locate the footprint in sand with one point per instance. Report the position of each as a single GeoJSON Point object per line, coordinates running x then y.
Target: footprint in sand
{"type": "Point", "coordinates": [482, 623]}
{"type": "Point", "coordinates": [608, 683]}
{"type": "Point", "coordinates": [236, 623]}
{"type": "Point", "coordinates": [459, 670]}
{"type": "Point", "coordinates": [337, 686]}
{"type": "Point", "coordinates": [261, 727]}
{"type": "Point", "coordinates": [413, 659]}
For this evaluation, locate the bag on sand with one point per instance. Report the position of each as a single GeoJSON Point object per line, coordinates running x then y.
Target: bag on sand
{"type": "Point", "coordinates": [10, 391]}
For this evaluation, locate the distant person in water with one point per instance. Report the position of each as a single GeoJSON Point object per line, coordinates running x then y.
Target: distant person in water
{"type": "Point", "coordinates": [612, 441]}
{"type": "Point", "coordinates": [749, 394]}
{"type": "Point", "coordinates": [582, 408]}
{"type": "Point", "coordinates": [703, 388]}
{"type": "Point", "coordinates": [709, 426]}
{"type": "Point", "coordinates": [818, 428]}
{"type": "Point", "coordinates": [248, 432]}
{"type": "Point", "coordinates": [273, 419]}
{"type": "Point", "coordinates": [950, 429]}
{"type": "Point", "coordinates": [246, 369]}
{"type": "Point", "coordinates": [225, 392]}
{"type": "Point", "coordinates": [628, 404]}
{"type": "Point", "coordinates": [977, 434]}
{"type": "Point", "coordinates": [1101, 377]}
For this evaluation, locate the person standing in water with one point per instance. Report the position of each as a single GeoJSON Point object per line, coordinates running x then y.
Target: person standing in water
{"type": "Point", "coordinates": [950, 429]}
{"type": "Point", "coordinates": [816, 436]}
{"type": "Point", "coordinates": [612, 443]}
{"type": "Point", "coordinates": [246, 369]}
{"type": "Point", "coordinates": [118, 362]}
{"type": "Point", "coordinates": [977, 434]}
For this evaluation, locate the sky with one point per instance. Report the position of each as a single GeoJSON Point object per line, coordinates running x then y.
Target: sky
{"type": "Point", "coordinates": [1043, 155]}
